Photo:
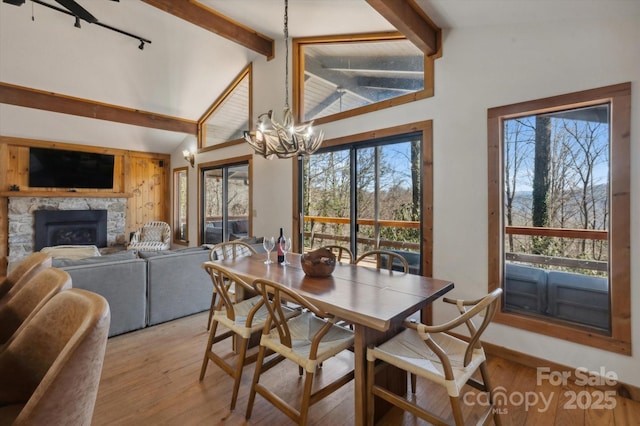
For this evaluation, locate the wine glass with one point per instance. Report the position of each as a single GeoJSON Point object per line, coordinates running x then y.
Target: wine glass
{"type": "Point", "coordinates": [268, 244]}
{"type": "Point", "coordinates": [285, 246]}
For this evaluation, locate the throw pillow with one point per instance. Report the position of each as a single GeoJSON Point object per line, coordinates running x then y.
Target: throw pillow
{"type": "Point", "coordinates": [150, 234]}
{"type": "Point", "coordinates": [241, 227]}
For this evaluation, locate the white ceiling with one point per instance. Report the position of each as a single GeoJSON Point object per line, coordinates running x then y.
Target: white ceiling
{"type": "Point", "coordinates": [185, 67]}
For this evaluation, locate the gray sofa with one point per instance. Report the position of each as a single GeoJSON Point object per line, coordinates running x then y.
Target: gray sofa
{"type": "Point", "coordinates": [146, 290]}
{"type": "Point", "coordinates": [577, 298]}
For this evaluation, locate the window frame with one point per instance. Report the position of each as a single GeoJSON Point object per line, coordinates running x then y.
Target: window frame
{"type": "Point", "coordinates": [619, 98]}
{"type": "Point", "coordinates": [202, 121]}
{"type": "Point", "coordinates": [176, 206]}
{"type": "Point", "coordinates": [298, 45]}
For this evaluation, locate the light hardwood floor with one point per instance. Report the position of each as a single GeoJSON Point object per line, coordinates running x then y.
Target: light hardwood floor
{"type": "Point", "coordinates": [150, 377]}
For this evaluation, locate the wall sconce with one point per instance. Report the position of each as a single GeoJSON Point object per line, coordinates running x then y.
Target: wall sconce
{"type": "Point", "coordinates": [189, 156]}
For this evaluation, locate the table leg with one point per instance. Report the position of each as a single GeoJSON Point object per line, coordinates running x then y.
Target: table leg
{"type": "Point", "coordinates": [392, 378]}
{"type": "Point", "coordinates": [360, 373]}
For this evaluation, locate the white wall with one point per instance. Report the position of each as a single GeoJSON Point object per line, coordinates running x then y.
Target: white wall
{"type": "Point", "coordinates": [480, 68]}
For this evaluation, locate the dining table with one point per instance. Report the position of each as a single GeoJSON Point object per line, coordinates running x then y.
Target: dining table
{"type": "Point", "coordinates": [374, 301]}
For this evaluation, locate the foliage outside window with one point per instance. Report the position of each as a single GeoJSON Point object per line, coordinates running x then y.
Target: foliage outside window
{"type": "Point", "coordinates": [224, 122]}
{"type": "Point", "coordinates": [348, 75]}
{"type": "Point", "coordinates": [559, 181]}
{"type": "Point", "coordinates": [180, 206]}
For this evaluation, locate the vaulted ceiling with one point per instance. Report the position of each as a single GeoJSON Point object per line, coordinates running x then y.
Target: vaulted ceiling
{"type": "Point", "coordinates": [150, 99]}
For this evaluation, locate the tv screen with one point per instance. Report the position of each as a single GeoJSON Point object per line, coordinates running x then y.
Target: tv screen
{"type": "Point", "coordinates": [57, 168]}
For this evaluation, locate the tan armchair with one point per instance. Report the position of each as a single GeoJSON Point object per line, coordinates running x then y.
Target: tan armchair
{"type": "Point", "coordinates": [153, 236]}
{"type": "Point", "coordinates": [32, 296]}
{"type": "Point", "coordinates": [51, 370]}
{"type": "Point", "coordinates": [27, 268]}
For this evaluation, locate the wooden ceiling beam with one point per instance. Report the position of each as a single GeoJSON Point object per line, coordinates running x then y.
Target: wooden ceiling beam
{"type": "Point", "coordinates": [209, 19]}
{"type": "Point", "coordinates": [410, 20]}
{"type": "Point", "coordinates": [49, 101]}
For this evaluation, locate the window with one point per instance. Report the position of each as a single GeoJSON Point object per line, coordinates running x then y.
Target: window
{"type": "Point", "coordinates": [559, 215]}
{"type": "Point", "coordinates": [349, 75]}
{"type": "Point", "coordinates": [365, 192]}
{"type": "Point", "coordinates": [224, 122]}
{"type": "Point", "coordinates": [226, 200]}
{"type": "Point", "coordinates": [180, 206]}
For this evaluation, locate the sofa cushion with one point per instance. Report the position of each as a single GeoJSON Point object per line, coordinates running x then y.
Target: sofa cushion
{"type": "Point", "coordinates": [122, 255]}
{"type": "Point", "coordinates": [240, 227]}
{"type": "Point", "coordinates": [579, 298]}
{"type": "Point", "coordinates": [177, 285]}
{"type": "Point", "coordinates": [122, 282]}
{"type": "Point", "coordinates": [525, 288]}
{"type": "Point", "coordinates": [150, 254]}
{"type": "Point", "coordinates": [71, 251]}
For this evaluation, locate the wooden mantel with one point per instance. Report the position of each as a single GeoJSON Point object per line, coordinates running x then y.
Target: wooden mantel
{"type": "Point", "coordinates": [76, 194]}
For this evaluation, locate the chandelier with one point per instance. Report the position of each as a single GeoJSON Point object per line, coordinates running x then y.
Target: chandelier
{"type": "Point", "coordinates": [283, 140]}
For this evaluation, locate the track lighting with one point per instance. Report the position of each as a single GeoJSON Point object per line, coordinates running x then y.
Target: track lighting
{"type": "Point", "coordinates": [79, 13]}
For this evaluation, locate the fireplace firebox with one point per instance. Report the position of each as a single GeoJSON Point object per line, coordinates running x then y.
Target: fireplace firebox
{"type": "Point", "coordinates": [70, 227]}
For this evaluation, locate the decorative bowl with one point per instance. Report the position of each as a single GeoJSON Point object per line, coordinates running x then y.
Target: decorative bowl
{"type": "Point", "coordinates": [318, 263]}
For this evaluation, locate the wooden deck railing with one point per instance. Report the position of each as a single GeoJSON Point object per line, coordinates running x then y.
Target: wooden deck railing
{"type": "Point", "coordinates": [586, 234]}
{"type": "Point", "coordinates": [375, 242]}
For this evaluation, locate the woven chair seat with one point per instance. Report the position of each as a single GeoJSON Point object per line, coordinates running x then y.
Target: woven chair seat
{"type": "Point", "coordinates": [303, 329]}
{"type": "Point", "coordinates": [408, 351]}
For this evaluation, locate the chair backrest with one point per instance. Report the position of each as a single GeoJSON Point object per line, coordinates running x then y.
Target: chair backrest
{"type": "Point", "coordinates": [51, 370]}
{"type": "Point", "coordinates": [222, 280]}
{"type": "Point", "coordinates": [385, 259]}
{"type": "Point", "coordinates": [23, 271]}
{"type": "Point", "coordinates": [469, 309]}
{"type": "Point", "coordinates": [275, 296]}
{"type": "Point", "coordinates": [30, 299]}
{"type": "Point", "coordinates": [231, 250]}
{"type": "Point", "coordinates": [339, 251]}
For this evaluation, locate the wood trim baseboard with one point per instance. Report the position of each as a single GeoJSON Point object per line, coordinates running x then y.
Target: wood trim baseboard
{"type": "Point", "coordinates": [622, 389]}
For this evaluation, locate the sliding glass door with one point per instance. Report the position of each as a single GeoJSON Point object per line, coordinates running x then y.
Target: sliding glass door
{"type": "Point", "coordinates": [365, 196]}
{"type": "Point", "coordinates": [225, 202]}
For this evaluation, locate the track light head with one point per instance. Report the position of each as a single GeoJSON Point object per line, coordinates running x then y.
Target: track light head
{"type": "Point", "coordinates": [77, 24]}
{"type": "Point", "coordinates": [141, 47]}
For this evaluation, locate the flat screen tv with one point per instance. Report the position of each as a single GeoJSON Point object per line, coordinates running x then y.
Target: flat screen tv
{"type": "Point", "coordinates": [57, 168]}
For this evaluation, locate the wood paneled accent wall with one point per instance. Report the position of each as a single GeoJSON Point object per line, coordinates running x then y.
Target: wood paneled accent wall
{"type": "Point", "coordinates": [143, 178]}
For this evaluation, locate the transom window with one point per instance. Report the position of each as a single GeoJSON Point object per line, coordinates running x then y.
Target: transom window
{"type": "Point", "coordinates": [225, 120]}
{"type": "Point", "coordinates": [349, 75]}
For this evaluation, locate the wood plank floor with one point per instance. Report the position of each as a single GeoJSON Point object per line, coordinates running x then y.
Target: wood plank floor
{"type": "Point", "coordinates": [150, 377]}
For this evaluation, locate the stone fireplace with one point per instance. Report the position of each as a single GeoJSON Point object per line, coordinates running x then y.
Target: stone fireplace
{"type": "Point", "coordinates": [22, 222]}
{"type": "Point", "coordinates": [70, 227]}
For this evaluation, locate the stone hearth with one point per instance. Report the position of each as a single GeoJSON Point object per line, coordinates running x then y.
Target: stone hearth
{"type": "Point", "coordinates": [21, 219]}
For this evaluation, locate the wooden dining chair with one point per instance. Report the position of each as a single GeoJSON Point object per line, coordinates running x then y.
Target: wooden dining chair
{"type": "Point", "coordinates": [227, 250]}
{"type": "Point", "coordinates": [384, 259]}
{"type": "Point", "coordinates": [242, 319]}
{"type": "Point", "coordinates": [432, 353]}
{"type": "Point", "coordinates": [308, 340]}
{"type": "Point", "coordinates": [32, 296]}
{"type": "Point", "coordinates": [339, 251]}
